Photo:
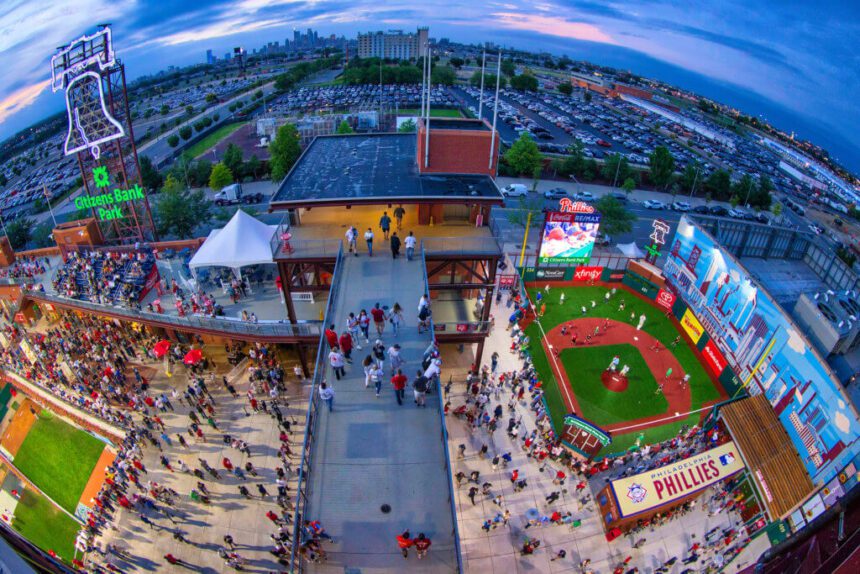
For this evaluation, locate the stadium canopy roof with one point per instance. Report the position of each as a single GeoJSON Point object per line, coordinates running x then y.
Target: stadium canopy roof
{"type": "Point", "coordinates": [631, 250]}
{"type": "Point", "coordinates": [373, 169]}
{"type": "Point", "coordinates": [244, 241]}
{"type": "Point", "coordinates": [772, 459]}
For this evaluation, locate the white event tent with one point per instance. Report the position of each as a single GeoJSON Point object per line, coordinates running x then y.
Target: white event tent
{"type": "Point", "coordinates": [244, 241]}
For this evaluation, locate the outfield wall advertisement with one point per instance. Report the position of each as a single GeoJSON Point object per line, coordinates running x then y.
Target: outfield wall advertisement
{"type": "Point", "coordinates": [665, 484]}
{"type": "Point", "coordinates": [765, 349]}
{"type": "Point", "coordinates": [568, 238]}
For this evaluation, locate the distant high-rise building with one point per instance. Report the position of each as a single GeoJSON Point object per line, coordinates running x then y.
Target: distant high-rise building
{"type": "Point", "coordinates": [297, 39]}
{"type": "Point", "coordinates": [394, 44]}
{"type": "Point", "coordinates": [210, 58]}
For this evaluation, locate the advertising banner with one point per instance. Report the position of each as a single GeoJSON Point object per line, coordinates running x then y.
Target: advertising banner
{"type": "Point", "coordinates": [765, 349]}
{"type": "Point", "coordinates": [587, 273]}
{"type": "Point", "coordinates": [665, 299]}
{"type": "Point", "coordinates": [692, 326]}
{"type": "Point", "coordinates": [642, 492]}
{"type": "Point", "coordinates": [507, 282]}
{"type": "Point", "coordinates": [568, 238]}
{"type": "Point", "coordinates": [714, 358]}
{"type": "Point", "coordinates": [555, 274]}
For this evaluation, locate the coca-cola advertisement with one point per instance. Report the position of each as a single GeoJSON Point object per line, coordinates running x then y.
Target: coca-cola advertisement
{"type": "Point", "coordinates": [568, 237]}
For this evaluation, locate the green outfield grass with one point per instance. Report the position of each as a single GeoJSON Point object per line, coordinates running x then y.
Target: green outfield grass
{"type": "Point", "coordinates": [212, 139]}
{"type": "Point", "coordinates": [59, 459]}
{"type": "Point", "coordinates": [585, 365]}
{"type": "Point", "coordinates": [46, 526]}
{"type": "Point", "coordinates": [701, 388]}
{"type": "Point", "coordinates": [440, 113]}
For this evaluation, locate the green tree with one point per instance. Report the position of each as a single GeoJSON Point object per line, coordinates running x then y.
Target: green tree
{"type": "Point", "coordinates": [165, 109]}
{"type": "Point", "coordinates": [179, 211]}
{"type": "Point", "coordinates": [3, 180]}
{"type": "Point", "coordinates": [43, 235]}
{"type": "Point", "coordinates": [776, 209]}
{"type": "Point", "coordinates": [489, 81]}
{"type": "Point", "coordinates": [149, 176]}
{"type": "Point", "coordinates": [591, 170]}
{"type": "Point", "coordinates": [344, 128]}
{"type": "Point", "coordinates": [509, 68]}
{"type": "Point", "coordinates": [233, 159]}
{"type": "Point", "coordinates": [523, 156]}
{"type": "Point", "coordinates": [614, 217]}
{"type": "Point", "coordinates": [221, 176]}
{"type": "Point", "coordinates": [527, 205]}
{"type": "Point", "coordinates": [285, 150]}
{"type": "Point", "coordinates": [587, 97]}
{"type": "Point", "coordinates": [211, 98]}
{"type": "Point", "coordinates": [258, 94]}
{"type": "Point", "coordinates": [690, 176]}
{"type": "Point", "coordinates": [662, 167]}
{"type": "Point", "coordinates": [407, 127]}
{"type": "Point", "coordinates": [743, 188]}
{"type": "Point", "coordinates": [185, 132]}
{"type": "Point", "coordinates": [189, 110]}
{"type": "Point", "coordinates": [19, 232]}
{"type": "Point", "coordinates": [443, 75]}
{"type": "Point", "coordinates": [216, 117]}
{"type": "Point", "coordinates": [524, 83]}
{"type": "Point", "coordinates": [616, 168]}
{"type": "Point", "coordinates": [173, 140]}
{"type": "Point", "coordinates": [761, 197]}
{"type": "Point", "coordinates": [456, 62]}
{"type": "Point", "coordinates": [719, 185]}
{"type": "Point", "coordinates": [734, 200]}
{"type": "Point", "coordinates": [199, 173]}
{"type": "Point", "coordinates": [565, 88]}
{"type": "Point", "coordinates": [253, 166]}
{"type": "Point", "coordinates": [628, 186]}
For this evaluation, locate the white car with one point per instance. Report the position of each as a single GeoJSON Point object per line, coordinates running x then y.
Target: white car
{"type": "Point", "coordinates": [653, 204]}
{"type": "Point", "coordinates": [583, 196]}
{"type": "Point", "coordinates": [515, 190]}
{"type": "Point", "coordinates": [681, 206]}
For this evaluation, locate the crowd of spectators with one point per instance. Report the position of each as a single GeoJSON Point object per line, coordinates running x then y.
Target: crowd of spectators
{"type": "Point", "coordinates": [105, 277]}
{"type": "Point", "coordinates": [28, 268]}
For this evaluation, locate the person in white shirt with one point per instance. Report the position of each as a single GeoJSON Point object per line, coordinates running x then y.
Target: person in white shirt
{"type": "Point", "coordinates": [338, 363]}
{"type": "Point", "coordinates": [368, 237]}
{"type": "Point", "coordinates": [327, 394]}
{"type": "Point", "coordinates": [410, 242]}
{"type": "Point", "coordinates": [351, 237]}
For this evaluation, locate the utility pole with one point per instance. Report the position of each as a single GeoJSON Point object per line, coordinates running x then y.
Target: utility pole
{"type": "Point", "coordinates": [481, 97]}
{"type": "Point", "coordinates": [495, 111]}
{"type": "Point", "coordinates": [617, 168]}
{"type": "Point", "coordinates": [695, 179]}
{"type": "Point", "coordinates": [749, 190]}
{"type": "Point", "coordinates": [48, 201]}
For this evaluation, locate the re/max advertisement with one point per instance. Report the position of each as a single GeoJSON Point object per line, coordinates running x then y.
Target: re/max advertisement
{"type": "Point", "coordinates": [568, 238]}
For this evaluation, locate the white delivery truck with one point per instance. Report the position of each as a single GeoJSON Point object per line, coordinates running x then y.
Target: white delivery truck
{"type": "Point", "coordinates": [233, 194]}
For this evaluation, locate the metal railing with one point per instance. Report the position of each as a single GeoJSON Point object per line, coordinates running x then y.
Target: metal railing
{"type": "Point", "coordinates": [441, 411]}
{"type": "Point", "coordinates": [234, 325]}
{"type": "Point", "coordinates": [300, 248]}
{"type": "Point", "coordinates": [303, 486]}
{"type": "Point", "coordinates": [461, 245]}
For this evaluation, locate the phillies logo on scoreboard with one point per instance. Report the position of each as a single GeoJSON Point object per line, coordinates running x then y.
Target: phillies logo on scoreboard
{"type": "Point", "coordinates": [565, 205]}
{"type": "Point", "coordinates": [665, 299]}
{"type": "Point", "coordinates": [584, 273]}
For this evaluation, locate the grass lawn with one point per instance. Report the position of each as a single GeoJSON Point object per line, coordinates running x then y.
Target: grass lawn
{"type": "Point", "coordinates": [585, 365]}
{"type": "Point", "coordinates": [59, 459]}
{"type": "Point", "coordinates": [440, 113]}
{"type": "Point", "coordinates": [46, 526]}
{"type": "Point", "coordinates": [203, 145]}
{"type": "Point", "coordinates": [701, 388]}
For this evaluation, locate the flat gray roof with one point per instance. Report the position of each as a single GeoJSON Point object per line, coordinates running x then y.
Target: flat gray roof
{"type": "Point", "coordinates": [374, 168]}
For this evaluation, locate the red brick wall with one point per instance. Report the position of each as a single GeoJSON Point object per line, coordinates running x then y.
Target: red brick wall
{"type": "Point", "coordinates": [458, 151]}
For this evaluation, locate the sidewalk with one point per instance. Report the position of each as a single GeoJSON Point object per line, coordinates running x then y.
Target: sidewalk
{"type": "Point", "coordinates": [369, 451]}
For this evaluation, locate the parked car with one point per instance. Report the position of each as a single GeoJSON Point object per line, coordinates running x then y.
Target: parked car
{"type": "Point", "coordinates": [738, 213]}
{"type": "Point", "coordinates": [681, 206]}
{"type": "Point", "coordinates": [515, 190]}
{"type": "Point", "coordinates": [555, 193]}
{"type": "Point", "coordinates": [703, 209]}
{"type": "Point", "coordinates": [622, 197]}
{"type": "Point", "coordinates": [816, 229]}
{"type": "Point", "coordinates": [719, 210]}
{"type": "Point", "coordinates": [653, 204]}
{"type": "Point", "coordinates": [583, 196]}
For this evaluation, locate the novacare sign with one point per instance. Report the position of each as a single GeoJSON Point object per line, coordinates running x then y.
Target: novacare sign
{"type": "Point", "coordinates": [675, 481]}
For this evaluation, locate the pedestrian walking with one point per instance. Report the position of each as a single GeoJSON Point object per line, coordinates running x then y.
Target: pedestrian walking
{"type": "Point", "coordinates": [368, 238]}
{"type": "Point", "coordinates": [395, 245]}
{"type": "Point", "coordinates": [396, 317]}
{"type": "Point", "coordinates": [338, 362]}
{"type": "Point", "coordinates": [399, 212]}
{"type": "Point", "coordinates": [345, 347]}
{"type": "Point", "coordinates": [379, 317]}
{"type": "Point", "coordinates": [351, 238]}
{"type": "Point", "coordinates": [327, 394]}
{"type": "Point", "coordinates": [398, 381]}
{"type": "Point", "coordinates": [385, 225]}
{"type": "Point", "coordinates": [422, 545]}
{"type": "Point", "coordinates": [410, 241]}
{"type": "Point", "coordinates": [404, 541]}
{"type": "Point", "coordinates": [228, 540]}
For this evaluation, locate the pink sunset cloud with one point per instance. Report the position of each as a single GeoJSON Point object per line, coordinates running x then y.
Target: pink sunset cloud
{"type": "Point", "coordinates": [552, 26]}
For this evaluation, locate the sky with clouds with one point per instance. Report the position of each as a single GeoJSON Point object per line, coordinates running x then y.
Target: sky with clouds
{"type": "Point", "coordinates": [793, 62]}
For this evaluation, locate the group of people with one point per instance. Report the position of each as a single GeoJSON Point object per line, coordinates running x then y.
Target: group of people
{"type": "Point", "coordinates": [105, 277]}
{"type": "Point", "coordinates": [26, 267]}
{"type": "Point", "coordinates": [394, 241]}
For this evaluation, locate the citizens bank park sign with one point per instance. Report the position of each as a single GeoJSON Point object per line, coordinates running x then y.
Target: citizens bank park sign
{"type": "Point", "coordinates": [666, 484]}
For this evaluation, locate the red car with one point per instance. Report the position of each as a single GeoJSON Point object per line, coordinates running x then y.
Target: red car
{"type": "Point", "coordinates": [604, 143]}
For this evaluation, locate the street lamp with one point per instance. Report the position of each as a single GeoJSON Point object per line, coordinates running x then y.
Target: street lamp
{"type": "Point", "coordinates": [695, 179]}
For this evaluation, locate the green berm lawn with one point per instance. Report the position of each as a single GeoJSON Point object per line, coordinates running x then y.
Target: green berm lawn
{"type": "Point", "coordinates": [213, 139]}
{"type": "Point", "coordinates": [434, 113]}
{"type": "Point", "coordinates": [59, 459]}
{"type": "Point", "coordinates": [45, 525]}
{"type": "Point", "coordinates": [584, 367]}
{"type": "Point", "coordinates": [701, 388]}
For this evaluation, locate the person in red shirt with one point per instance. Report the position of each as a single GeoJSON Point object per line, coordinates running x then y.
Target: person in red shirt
{"type": "Point", "coordinates": [378, 318]}
{"type": "Point", "coordinates": [399, 382]}
{"type": "Point", "coordinates": [346, 345]}
{"type": "Point", "coordinates": [559, 477]}
{"type": "Point", "coordinates": [422, 544]}
{"type": "Point", "coordinates": [331, 336]}
{"type": "Point", "coordinates": [404, 541]}
{"type": "Point", "coordinates": [228, 464]}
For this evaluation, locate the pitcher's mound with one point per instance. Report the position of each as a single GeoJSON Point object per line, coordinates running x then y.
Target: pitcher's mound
{"type": "Point", "coordinates": [614, 381]}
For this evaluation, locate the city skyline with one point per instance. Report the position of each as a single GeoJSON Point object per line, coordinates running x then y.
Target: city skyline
{"type": "Point", "coordinates": [800, 78]}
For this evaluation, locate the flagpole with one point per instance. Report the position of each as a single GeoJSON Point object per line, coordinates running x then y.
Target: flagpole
{"type": "Point", "coordinates": [48, 200]}
{"type": "Point", "coordinates": [481, 97]}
